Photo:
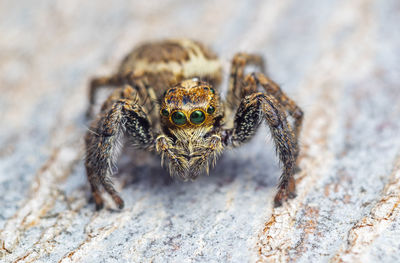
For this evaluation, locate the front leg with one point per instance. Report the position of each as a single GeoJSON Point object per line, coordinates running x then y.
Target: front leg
{"type": "Point", "coordinates": [271, 88]}
{"type": "Point", "coordinates": [115, 81]}
{"type": "Point", "coordinates": [252, 111]}
{"type": "Point", "coordinates": [100, 82]}
{"type": "Point", "coordinates": [241, 85]}
{"type": "Point", "coordinates": [237, 77]}
{"type": "Point", "coordinates": [120, 117]}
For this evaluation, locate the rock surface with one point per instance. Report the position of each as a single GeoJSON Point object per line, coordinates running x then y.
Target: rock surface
{"type": "Point", "coordinates": [340, 60]}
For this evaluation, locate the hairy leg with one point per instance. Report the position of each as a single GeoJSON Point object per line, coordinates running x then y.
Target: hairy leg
{"type": "Point", "coordinates": [253, 109]}
{"type": "Point", "coordinates": [237, 80]}
{"type": "Point", "coordinates": [241, 85]}
{"type": "Point", "coordinates": [271, 88]}
{"type": "Point", "coordinates": [116, 81]}
{"type": "Point", "coordinates": [121, 114]}
{"type": "Point", "coordinates": [100, 82]}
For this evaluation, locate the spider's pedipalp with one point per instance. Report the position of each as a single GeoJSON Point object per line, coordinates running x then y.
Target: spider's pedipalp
{"type": "Point", "coordinates": [187, 160]}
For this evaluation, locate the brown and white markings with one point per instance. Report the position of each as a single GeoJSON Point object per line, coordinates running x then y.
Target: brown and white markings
{"type": "Point", "coordinates": [166, 100]}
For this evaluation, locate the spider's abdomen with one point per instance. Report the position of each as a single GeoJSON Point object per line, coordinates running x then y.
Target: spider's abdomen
{"type": "Point", "coordinates": [168, 62]}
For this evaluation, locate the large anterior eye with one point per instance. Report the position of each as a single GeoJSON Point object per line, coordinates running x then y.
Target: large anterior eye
{"type": "Point", "coordinates": [197, 117]}
{"type": "Point", "coordinates": [178, 118]}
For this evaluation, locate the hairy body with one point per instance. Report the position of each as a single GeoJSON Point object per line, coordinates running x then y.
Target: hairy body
{"type": "Point", "coordinates": [166, 100]}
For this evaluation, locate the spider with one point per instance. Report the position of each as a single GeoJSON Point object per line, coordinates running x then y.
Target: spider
{"type": "Point", "coordinates": [165, 100]}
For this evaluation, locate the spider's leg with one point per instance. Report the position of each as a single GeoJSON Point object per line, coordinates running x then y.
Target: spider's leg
{"type": "Point", "coordinates": [237, 77]}
{"type": "Point", "coordinates": [115, 81]}
{"type": "Point", "coordinates": [287, 103]}
{"type": "Point", "coordinates": [96, 83]}
{"type": "Point", "coordinates": [252, 110]}
{"type": "Point", "coordinates": [121, 115]}
{"type": "Point", "coordinates": [241, 85]}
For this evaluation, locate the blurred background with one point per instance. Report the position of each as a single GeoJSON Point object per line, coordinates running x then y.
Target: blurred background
{"type": "Point", "coordinates": [339, 60]}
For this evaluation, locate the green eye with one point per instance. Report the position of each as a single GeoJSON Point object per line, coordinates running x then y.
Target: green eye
{"type": "Point", "coordinates": [212, 90]}
{"type": "Point", "coordinates": [197, 117]}
{"type": "Point", "coordinates": [164, 112]}
{"type": "Point", "coordinates": [178, 118]}
{"type": "Point", "coordinates": [210, 110]}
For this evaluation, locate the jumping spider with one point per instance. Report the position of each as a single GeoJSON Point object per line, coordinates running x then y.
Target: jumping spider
{"type": "Point", "coordinates": [165, 100]}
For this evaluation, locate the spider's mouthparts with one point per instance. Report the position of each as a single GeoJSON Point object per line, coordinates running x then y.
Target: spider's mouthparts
{"type": "Point", "coordinates": [188, 166]}
{"type": "Point", "coordinates": [190, 156]}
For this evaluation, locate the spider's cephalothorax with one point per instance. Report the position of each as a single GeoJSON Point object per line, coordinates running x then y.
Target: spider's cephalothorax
{"type": "Point", "coordinates": [191, 118]}
{"type": "Point", "coordinates": [166, 100]}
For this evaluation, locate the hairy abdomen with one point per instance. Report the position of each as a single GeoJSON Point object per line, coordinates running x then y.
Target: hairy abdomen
{"type": "Point", "coordinates": [168, 62]}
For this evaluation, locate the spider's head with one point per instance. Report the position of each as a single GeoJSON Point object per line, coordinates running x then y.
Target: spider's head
{"type": "Point", "coordinates": [191, 104]}
{"type": "Point", "coordinates": [191, 113]}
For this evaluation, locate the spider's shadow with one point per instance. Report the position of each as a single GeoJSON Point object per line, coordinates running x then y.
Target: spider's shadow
{"type": "Point", "coordinates": [143, 168]}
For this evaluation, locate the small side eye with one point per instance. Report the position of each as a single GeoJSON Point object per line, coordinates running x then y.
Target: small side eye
{"type": "Point", "coordinates": [178, 118]}
{"type": "Point", "coordinates": [210, 110]}
{"type": "Point", "coordinates": [164, 112]}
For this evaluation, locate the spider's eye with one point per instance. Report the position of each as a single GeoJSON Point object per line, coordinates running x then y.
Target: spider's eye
{"type": "Point", "coordinates": [178, 118]}
{"type": "Point", "coordinates": [210, 110]}
{"type": "Point", "coordinates": [197, 117]}
{"type": "Point", "coordinates": [212, 90]}
{"type": "Point", "coordinates": [164, 112]}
